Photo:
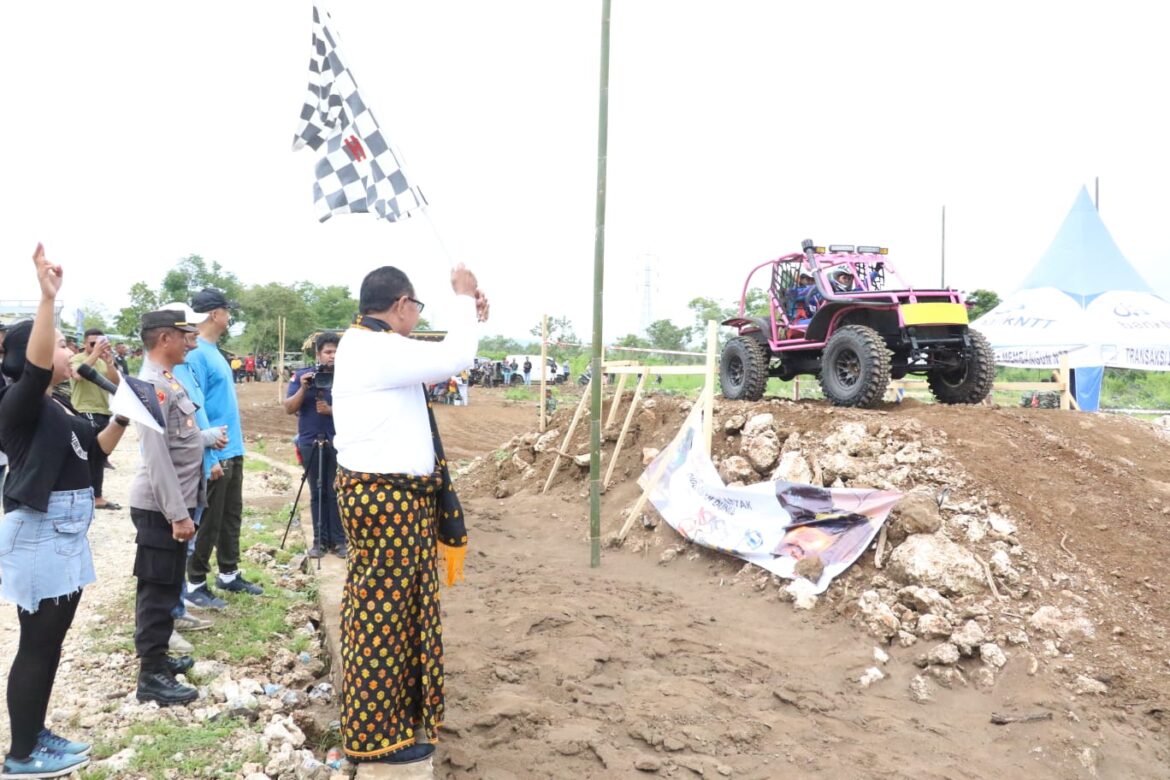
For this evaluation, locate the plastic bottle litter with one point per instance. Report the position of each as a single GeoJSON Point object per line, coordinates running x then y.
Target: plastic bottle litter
{"type": "Point", "coordinates": [335, 758]}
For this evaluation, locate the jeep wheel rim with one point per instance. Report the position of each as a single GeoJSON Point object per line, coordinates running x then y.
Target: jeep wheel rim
{"type": "Point", "coordinates": [735, 371]}
{"type": "Point", "coordinates": [847, 368]}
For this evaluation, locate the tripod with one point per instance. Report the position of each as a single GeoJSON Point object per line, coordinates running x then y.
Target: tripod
{"type": "Point", "coordinates": [316, 455]}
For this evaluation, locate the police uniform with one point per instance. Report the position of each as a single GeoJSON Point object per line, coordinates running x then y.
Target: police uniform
{"type": "Point", "coordinates": [168, 487]}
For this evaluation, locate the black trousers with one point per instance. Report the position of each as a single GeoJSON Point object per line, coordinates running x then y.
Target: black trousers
{"type": "Point", "coordinates": [220, 527]}
{"type": "Point", "coordinates": [97, 461]}
{"type": "Point", "coordinates": [158, 565]}
{"type": "Point", "coordinates": [320, 461]}
{"type": "Point", "coordinates": [34, 669]}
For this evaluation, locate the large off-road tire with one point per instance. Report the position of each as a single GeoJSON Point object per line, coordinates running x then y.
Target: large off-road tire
{"type": "Point", "coordinates": [743, 369]}
{"type": "Point", "coordinates": [971, 382]}
{"type": "Point", "coordinates": [855, 367]}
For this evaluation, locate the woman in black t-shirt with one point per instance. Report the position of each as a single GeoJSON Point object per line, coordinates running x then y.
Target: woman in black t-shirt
{"type": "Point", "coordinates": [48, 503]}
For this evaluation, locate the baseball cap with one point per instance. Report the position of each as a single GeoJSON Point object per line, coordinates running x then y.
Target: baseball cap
{"type": "Point", "coordinates": [167, 318]}
{"type": "Point", "coordinates": [189, 314]}
{"type": "Point", "coordinates": [209, 299]}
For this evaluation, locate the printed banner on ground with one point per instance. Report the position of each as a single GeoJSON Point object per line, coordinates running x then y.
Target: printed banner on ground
{"type": "Point", "coordinates": [771, 524]}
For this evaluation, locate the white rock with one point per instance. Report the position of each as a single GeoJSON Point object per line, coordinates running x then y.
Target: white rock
{"type": "Point", "coordinates": [649, 454]}
{"type": "Point", "coordinates": [1001, 525]}
{"type": "Point", "coordinates": [976, 529]}
{"type": "Point", "coordinates": [870, 676]}
{"type": "Point", "coordinates": [992, 655]}
{"type": "Point", "coordinates": [920, 689]}
{"type": "Point", "coordinates": [936, 562]}
{"type": "Point", "coordinates": [793, 468]}
{"type": "Point", "coordinates": [881, 656]}
{"type": "Point", "coordinates": [943, 654]}
{"type": "Point", "coordinates": [736, 468]}
{"type": "Point", "coordinates": [933, 627]}
{"type": "Point", "coordinates": [849, 438]}
{"type": "Point", "coordinates": [759, 423]}
{"type": "Point", "coordinates": [802, 593]}
{"type": "Point", "coordinates": [1083, 685]}
{"type": "Point", "coordinates": [906, 639]}
{"type": "Point", "coordinates": [257, 776]}
{"type": "Point", "coordinates": [118, 762]}
{"type": "Point", "coordinates": [983, 677]}
{"type": "Point", "coordinates": [838, 464]}
{"type": "Point", "coordinates": [547, 440]}
{"type": "Point", "coordinates": [761, 449]}
{"type": "Point", "coordinates": [879, 619]}
{"type": "Point", "coordinates": [925, 600]}
{"type": "Point", "coordinates": [968, 637]}
{"type": "Point", "coordinates": [734, 423]}
{"type": "Point", "coordinates": [1052, 620]}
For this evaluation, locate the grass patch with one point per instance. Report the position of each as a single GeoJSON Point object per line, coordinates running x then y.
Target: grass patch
{"type": "Point", "coordinates": [519, 394]}
{"type": "Point", "coordinates": [163, 744]}
{"type": "Point", "coordinates": [254, 465]}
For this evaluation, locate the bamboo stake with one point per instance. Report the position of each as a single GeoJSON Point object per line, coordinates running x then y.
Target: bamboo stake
{"type": "Point", "coordinates": [568, 437]}
{"type": "Point", "coordinates": [1065, 395]}
{"type": "Point", "coordinates": [280, 370]}
{"type": "Point", "coordinates": [543, 367]}
{"type": "Point", "coordinates": [617, 402]}
{"type": "Point", "coordinates": [617, 448]}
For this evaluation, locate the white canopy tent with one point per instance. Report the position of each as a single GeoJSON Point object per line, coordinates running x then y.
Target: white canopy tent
{"type": "Point", "coordinates": [1082, 299]}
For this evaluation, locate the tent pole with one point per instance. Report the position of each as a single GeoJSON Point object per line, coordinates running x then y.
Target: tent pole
{"type": "Point", "coordinates": [944, 246]}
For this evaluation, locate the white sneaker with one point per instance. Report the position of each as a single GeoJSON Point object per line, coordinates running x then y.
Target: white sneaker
{"type": "Point", "coordinates": [180, 645]}
{"type": "Point", "coordinates": [189, 622]}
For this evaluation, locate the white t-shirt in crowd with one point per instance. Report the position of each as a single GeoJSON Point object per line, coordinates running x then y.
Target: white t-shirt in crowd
{"type": "Point", "coordinates": [379, 406]}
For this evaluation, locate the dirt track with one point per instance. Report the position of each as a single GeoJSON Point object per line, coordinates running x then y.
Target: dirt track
{"type": "Point", "coordinates": [557, 670]}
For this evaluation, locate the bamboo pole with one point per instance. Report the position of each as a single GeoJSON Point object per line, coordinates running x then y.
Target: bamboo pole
{"type": "Point", "coordinates": [280, 370]}
{"type": "Point", "coordinates": [543, 367]}
{"type": "Point", "coordinates": [598, 287]}
{"type": "Point", "coordinates": [617, 447]}
{"type": "Point", "coordinates": [709, 390]}
{"type": "Point", "coordinates": [1065, 395]}
{"type": "Point", "coordinates": [568, 438]}
{"type": "Point", "coordinates": [615, 404]}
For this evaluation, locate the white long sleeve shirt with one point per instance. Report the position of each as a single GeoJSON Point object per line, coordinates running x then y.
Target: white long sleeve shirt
{"type": "Point", "coordinates": [379, 406]}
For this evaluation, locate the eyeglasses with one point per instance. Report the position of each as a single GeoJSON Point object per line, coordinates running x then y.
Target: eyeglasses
{"type": "Point", "coordinates": [417, 303]}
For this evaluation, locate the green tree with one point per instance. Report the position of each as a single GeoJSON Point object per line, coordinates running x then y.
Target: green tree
{"type": "Point", "coordinates": [94, 317]}
{"type": "Point", "coordinates": [498, 346]}
{"type": "Point", "coordinates": [330, 307]}
{"type": "Point", "coordinates": [980, 302]}
{"type": "Point", "coordinates": [632, 340]}
{"type": "Point", "coordinates": [192, 273]}
{"type": "Point", "coordinates": [142, 299]}
{"type": "Point", "coordinates": [664, 334]}
{"type": "Point", "coordinates": [262, 305]}
{"type": "Point", "coordinates": [559, 329]}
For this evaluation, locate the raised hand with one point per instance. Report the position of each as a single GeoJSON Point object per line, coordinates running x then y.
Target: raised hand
{"type": "Point", "coordinates": [482, 307]}
{"type": "Point", "coordinates": [48, 275]}
{"type": "Point", "coordinates": [463, 282]}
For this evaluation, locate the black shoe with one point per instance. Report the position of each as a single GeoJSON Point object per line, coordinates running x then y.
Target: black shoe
{"type": "Point", "coordinates": [341, 550]}
{"type": "Point", "coordinates": [239, 585]}
{"type": "Point", "coordinates": [410, 754]}
{"type": "Point", "coordinates": [316, 551]}
{"type": "Point", "coordinates": [159, 686]}
{"type": "Point", "coordinates": [179, 665]}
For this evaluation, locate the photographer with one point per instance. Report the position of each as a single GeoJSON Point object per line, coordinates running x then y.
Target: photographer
{"type": "Point", "coordinates": [92, 402]}
{"type": "Point", "coordinates": [310, 398]}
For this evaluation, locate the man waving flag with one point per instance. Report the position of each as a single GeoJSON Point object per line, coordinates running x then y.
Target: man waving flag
{"type": "Point", "coordinates": [357, 170]}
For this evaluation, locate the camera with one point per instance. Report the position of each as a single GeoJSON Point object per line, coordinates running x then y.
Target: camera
{"type": "Point", "coordinates": [323, 377]}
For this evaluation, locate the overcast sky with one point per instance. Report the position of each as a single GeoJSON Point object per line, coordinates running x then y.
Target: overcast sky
{"type": "Point", "coordinates": [136, 133]}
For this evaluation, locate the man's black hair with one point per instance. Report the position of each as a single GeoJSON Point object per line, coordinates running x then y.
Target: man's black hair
{"type": "Point", "coordinates": [150, 337]}
{"type": "Point", "coordinates": [325, 339]}
{"type": "Point", "coordinates": [381, 288]}
{"type": "Point", "coordinates": [94, 332]}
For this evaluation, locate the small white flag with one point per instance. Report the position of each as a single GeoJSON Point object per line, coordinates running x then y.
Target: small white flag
{"type": "Point", "coordinates": [357, 171]}
{"type": "Point", "coordinates": [136, 399]}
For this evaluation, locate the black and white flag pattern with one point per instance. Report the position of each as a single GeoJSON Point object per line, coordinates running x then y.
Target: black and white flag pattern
{"type": "Point", "coordinates": [357, 171]}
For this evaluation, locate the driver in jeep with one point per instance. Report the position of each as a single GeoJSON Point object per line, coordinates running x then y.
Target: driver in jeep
{"type": "Point", "coordinates": [841, 280]}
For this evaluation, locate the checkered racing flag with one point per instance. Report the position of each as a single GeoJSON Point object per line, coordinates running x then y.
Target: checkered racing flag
{"type": "Point", "coordinates": [357, 170]}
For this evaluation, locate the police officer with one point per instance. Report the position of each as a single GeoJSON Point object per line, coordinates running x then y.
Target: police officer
{"type": "Point", "coordinates": [165, 492]}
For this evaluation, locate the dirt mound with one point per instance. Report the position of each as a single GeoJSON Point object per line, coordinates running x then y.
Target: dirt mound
{"type": "Point", "coordinates": [1030, 532]}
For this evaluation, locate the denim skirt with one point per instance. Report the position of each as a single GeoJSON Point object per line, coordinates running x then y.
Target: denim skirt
{"type": "Point", "coordinates": [45, 555]}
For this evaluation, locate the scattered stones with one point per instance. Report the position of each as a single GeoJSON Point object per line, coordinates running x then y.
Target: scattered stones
{"type": "Point", "coordinates": [734, 423]}
{"type": "Point", "coordinates": [1072, 628]}
{"type": "Point", "coordinates": [933, 627]}
{"type": "Point", "coordinates": [944, 654]}
{"type": "Point", "coordinates": [649, 454]}
{"type": "Point", "coordinates": [881, 656]}
{"type": "Point", "coordinates": [759, 423]}
{"type": "Point", "coordinates": [547, 440]}
{"type": "Point", "coordinates": [870, 676]}
{"type": "Point", "coordinates": [925, 600]}
{"type": "Point", "coordinates": [969, 637]}
{"type": "Point", "coordinates": [801, 592]}
{"type": "Point", "coordinates": [761, 449]}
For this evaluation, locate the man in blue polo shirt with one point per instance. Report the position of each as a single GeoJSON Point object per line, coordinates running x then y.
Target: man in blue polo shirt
{"type": "Point", "coordinates": [310, 398]}
{"type": "Point", "coordinates": [220, 526]}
